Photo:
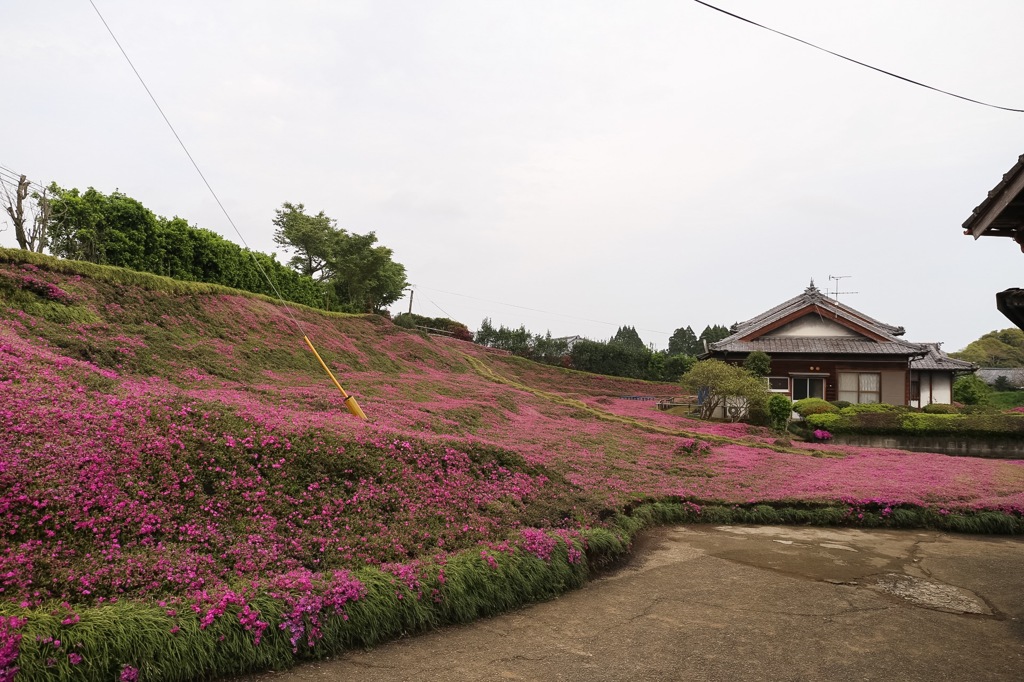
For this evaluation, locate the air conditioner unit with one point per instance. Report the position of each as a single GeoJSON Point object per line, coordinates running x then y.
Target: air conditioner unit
{"type": "Point", "coordinates": [734, 410]}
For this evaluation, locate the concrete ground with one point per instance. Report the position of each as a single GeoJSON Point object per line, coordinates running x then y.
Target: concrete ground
{"type": "Point", "coordinates": [745, 603]}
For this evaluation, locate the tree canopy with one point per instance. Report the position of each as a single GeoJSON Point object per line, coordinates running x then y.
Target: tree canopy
{"type": "Point", "coordinates": [359, 275]}
{"type": "Point", "coordinates": [1004, 348]}
{"type": "Point", "coordinates": [716, 381]}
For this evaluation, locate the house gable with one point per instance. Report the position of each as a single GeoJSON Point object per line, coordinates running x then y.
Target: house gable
{"type": "Point", "coordinates": [814, 321]}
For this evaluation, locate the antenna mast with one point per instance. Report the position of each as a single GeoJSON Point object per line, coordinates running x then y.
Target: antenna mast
{"type": "Point", "coordinates": [835, 294]}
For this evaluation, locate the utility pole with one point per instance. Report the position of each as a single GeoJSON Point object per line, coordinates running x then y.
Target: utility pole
{"type": "Point", "coordinates": [411, 292]}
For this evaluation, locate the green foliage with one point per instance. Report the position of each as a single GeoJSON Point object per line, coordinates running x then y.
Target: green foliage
{"type": "Point", "coordinates": [684, 342]}
{"type": "Point", "coordinates": [1006, 400]}
{"type": "Point", "coordinates": [873, 408]}
{"type": "Point", "coordinates": [1003, 348]}
{"type": "Point", "coordinates": [678, 365]}
{"type": "Point", "coordinates": [359, 276]}
{"type": "Point", "coordinates": [118, 230]}
{"type": "Point", "coordinates": [809, 406]}
{"type": "Point", "coordinates": [939, 408]}
{"type": "Point", "coordinates": [986, 425]}
{"type": "Point", "coordinates": [971, 390]}
{"type": "Point", "coordinates": [614, 359]}
{"type": "Point", "coordinates": [1002, 383]}
{"type": "Point", "coordinates": [841, 403]}
{"type": "Point", "coordinates": [780, 411]}
{"type": "Point", "coordinates": [758, 363]}
{"type": "Point", "coordinates": [521, 342]}
{"type": "Point", "coordinates": [443, 324]}
{"type": "Point", "coordinates": [716, 381]}
{"type": "Point", "coordinates": [628, 338]}
{"type": "Point", "coordinates": [712, 334]}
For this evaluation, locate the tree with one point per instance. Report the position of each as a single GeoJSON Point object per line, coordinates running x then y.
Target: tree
{"type": "Point", "coordinates": [712, 334]}
{"type": "Point", "coordinates": [1004, 348]}
{"type": "Point", "coordinates": [716, 381]}
{"type": "Point", "coordinates": [360, 275]}
{"type": "Point", "coordinates": [758, 363]}
{"type": "Point", "coordinates": [311, 237]}
{"type": "Point", "coordinates": [628, 338]}
{"type": "Point", "coordinates": [678, 365]}
{"type": "Point", "coordinates": [971, 390]}
{"type": "Point", "coordinates": [684, 342]}
{"type": "Point", "coordinates": [1003, 383]}
{"type": "Point", "coordinates": [30, 218]}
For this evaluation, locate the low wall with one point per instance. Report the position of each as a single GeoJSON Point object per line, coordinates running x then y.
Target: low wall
{"type": "Point", "coordinates": [963, 447]}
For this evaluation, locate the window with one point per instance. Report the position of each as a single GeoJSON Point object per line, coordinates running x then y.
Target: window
{"type": "Point", "coordinates": [808, 387]}
{"type": "Point", "coordinates": [915, 390]}
{"type": "Point", "coordinates": [778, 384]}
{"type": "Point", "coordinates": [860, 387]}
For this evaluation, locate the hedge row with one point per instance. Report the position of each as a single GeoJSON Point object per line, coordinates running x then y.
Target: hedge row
{"type": "Point", "coordinates": [130, 641]}
{"type": "Point", "coordinates": [920, 424]}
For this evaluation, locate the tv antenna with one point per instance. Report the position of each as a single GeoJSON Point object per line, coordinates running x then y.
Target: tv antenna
{"type": "Point", "coordinates": [835, 294]}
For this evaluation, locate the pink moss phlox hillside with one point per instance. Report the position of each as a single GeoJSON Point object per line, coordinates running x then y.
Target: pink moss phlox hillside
{"type": "Point", "coordinates": [182, 447]}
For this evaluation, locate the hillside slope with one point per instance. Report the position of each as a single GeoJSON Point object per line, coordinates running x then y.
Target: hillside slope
{"type": "Point", "coordinates": [173, 442]}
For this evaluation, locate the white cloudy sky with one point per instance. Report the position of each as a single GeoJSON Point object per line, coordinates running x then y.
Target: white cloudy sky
{"type": "Point", "coordinates": [651, 163]}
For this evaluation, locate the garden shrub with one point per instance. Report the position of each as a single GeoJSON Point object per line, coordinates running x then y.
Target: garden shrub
{"type": "Point", "coordinates": [939, 408]}
{"type": "Point", "coordinates": [987, 425]}
{"type": "Point", "coordinates": [809, 406]}
{"type": "Point", "coordinates": [780, 410]}
{"type": "Point", "coordinates": [861, 408]}
{"type": "Point", "coordinates": [841, 403]}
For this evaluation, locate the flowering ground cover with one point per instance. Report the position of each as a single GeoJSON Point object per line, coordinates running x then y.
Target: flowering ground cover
{"type": "Point", "coordinates": [178, 475]}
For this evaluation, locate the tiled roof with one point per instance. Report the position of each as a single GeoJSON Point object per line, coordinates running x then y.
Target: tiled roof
{"type": "Point", "coordinates": [806, 344]}
{"type": "Point", "coordinates": [812, 296]}
{"type": "Point", "coordinates": [937, 360]}
{"type": "Point", "coordinates": [1014, 374]}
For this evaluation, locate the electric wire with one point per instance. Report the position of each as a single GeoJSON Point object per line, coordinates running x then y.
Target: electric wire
{"type": "Point", "coordinates": [859, 63]}
{"type": "Point", "coordinates": [535, 310]}
{"type": "Point", "coordinates": [195, 165]}
{"type": "Point", "coordinates": [15, 177]}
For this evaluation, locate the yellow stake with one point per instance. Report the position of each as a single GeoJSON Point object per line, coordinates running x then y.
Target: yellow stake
{"type": "Point", "coordinates": [350, 401]}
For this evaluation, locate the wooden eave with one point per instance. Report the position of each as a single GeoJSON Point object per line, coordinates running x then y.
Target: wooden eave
{"type": "Point", "coordinates": [812, 309]}
{"type": "Point", "coordinates": [1001, 214]}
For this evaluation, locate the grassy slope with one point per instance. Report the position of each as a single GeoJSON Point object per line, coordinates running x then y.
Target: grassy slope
{"type": "Point", "coordinates": [177, 442]}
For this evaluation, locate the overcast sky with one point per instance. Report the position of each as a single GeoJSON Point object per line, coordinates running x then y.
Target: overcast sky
{"type": "Point", "coordinates": [645, 163]}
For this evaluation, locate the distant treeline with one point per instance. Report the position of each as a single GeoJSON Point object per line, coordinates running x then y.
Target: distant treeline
{"type": "Point", "coordinates": [624, 355]}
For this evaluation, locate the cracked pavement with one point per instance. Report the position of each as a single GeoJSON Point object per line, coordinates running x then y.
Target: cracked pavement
{"type": "Point", "coordinates": [745, 603]}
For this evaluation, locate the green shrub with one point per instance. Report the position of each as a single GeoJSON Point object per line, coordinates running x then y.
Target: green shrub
{"type": "Point", "coordinates": [841, 403]}
{"type": "Point", "coordinates": [809, 406]}
{"type": "Point", "coordinates": [982, 425]}
{"type": "Point", "coordinates": [862, 408]}
{"type": "Point", "coordinates": [939, 408]}
{"type": "Point", "coordinates": [780, 410]}
{"type": "Point", "coordinates": [971, 390]}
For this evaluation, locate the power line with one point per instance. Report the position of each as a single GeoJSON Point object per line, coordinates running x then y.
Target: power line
{"type": "Point", "coordinates": [15, 177]}
{"type": "Point", "coordinates": [536, 310]}
{"type": "Point", "coordinates": [859, 63]}
{"type": "Point", "coordinates": [195, 165]}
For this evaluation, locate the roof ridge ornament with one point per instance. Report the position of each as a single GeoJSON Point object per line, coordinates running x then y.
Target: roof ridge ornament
{"type": "Point", "coordinates": [812, 290]}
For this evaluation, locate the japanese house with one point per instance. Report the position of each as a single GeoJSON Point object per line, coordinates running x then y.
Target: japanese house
{"type": "Point", "coordinates": [821, 348]}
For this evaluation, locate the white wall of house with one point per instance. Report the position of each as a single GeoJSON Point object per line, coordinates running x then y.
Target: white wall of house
{"type": "Point", "coordinates": [936, 387]}
{"type": "Point", "coordinates": [812, 326]}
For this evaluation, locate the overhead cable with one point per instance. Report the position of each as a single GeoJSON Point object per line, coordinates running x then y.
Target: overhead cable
{"type": "Point", "coordinates": [859, 63]}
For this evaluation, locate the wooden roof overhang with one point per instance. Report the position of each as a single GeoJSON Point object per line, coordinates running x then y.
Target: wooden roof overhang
{"type": "Point", "coordinates": [1001, 214]}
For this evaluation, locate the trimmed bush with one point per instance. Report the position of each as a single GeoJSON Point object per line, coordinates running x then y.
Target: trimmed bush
{"type": "Point", "coordinates": [939, 408]}
{"type": "Point", "coordinates": [872, 408]}
{"type": "Point", "coordinates": [809, 406]}
{"type": "Point", "coordinates": [989, 425]}
{"type": "Point", "coordinates": [841, 403]}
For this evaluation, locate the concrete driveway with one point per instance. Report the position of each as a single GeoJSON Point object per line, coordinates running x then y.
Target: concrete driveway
{"type": "Point", "coordinates": [745, 603]}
